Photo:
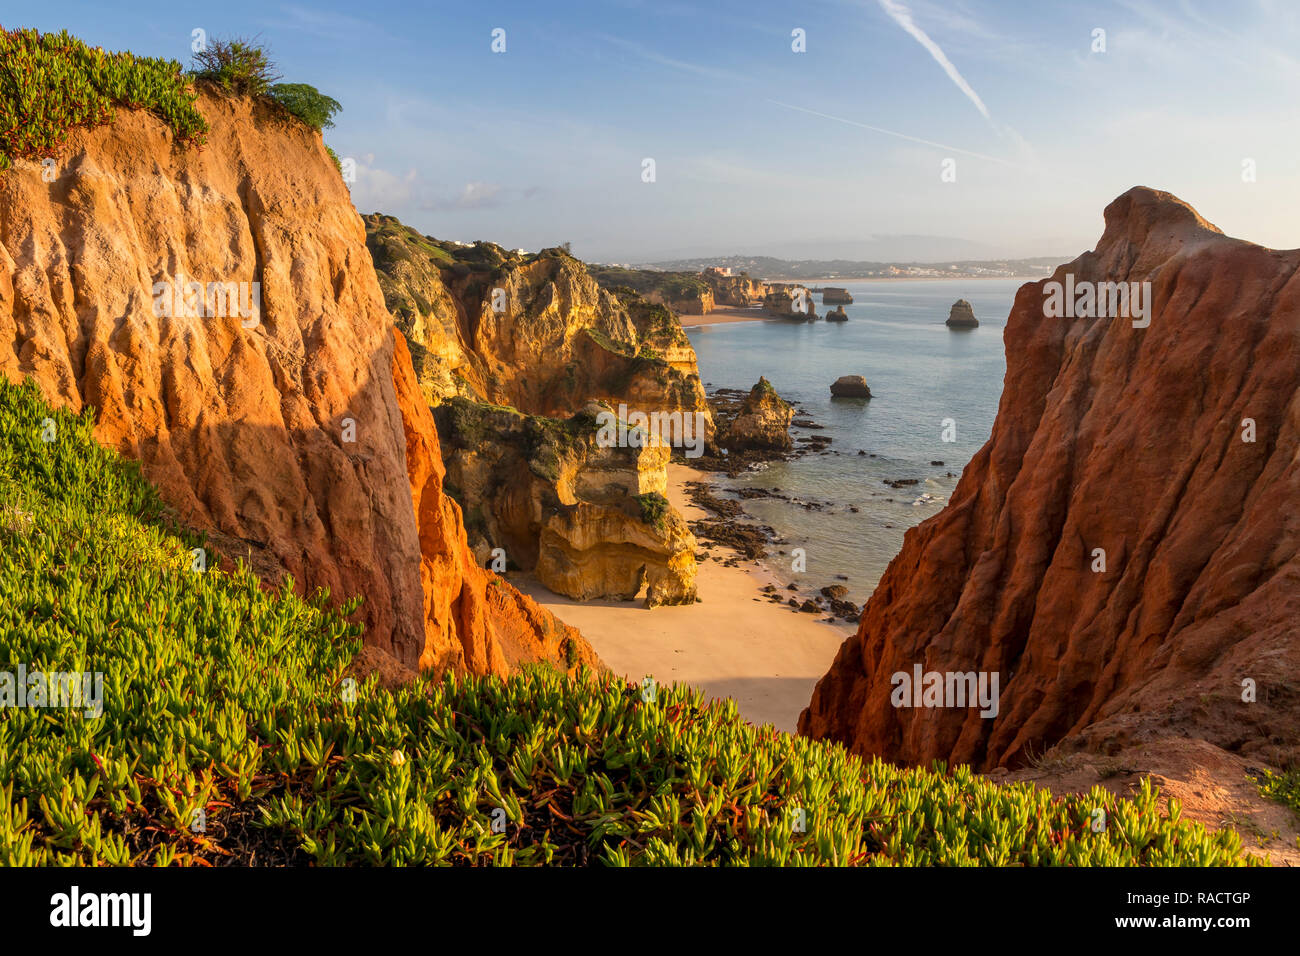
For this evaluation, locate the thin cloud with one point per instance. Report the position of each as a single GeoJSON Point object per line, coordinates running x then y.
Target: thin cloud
{"type": "Point", "coordinates": [683, 66]}
{"type": "Point", "coordinates": [903, 17]}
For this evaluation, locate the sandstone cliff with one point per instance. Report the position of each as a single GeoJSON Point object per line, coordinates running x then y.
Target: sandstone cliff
{"type": "Point", "coordinates": [535, 332]}
{"type": "Point", "coordinates": [295, 435]}
{"type": "Point", "coordinates": [1123, 550]}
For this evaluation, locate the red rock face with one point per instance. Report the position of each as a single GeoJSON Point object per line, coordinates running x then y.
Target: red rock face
{"type": "Point", "coordinates": [288, 438]}
{"type": "Point", "coordinates": [1130, 440]}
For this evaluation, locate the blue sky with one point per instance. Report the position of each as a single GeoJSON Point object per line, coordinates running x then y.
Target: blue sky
{"type": "Point", "coordinates": [837, 151]}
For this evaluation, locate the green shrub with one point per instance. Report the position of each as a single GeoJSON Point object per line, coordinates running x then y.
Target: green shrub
{"type": "Point", "coordinates": [239, 66]}
{"type": "Point", "coordinates": [654, 509]}
{"type": "Point", "coordinates": [224, 697]}
{"type": "Point", "coordinates": [307, 103]}
{"type": "Point", "coordinates": [53, 83]}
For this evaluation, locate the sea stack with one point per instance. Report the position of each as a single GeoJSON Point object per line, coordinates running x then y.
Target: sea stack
{"type": "Point", "coordinates": [763, 422]}
{"type": "Point", "coordinates": [962, 316]}
{"type": "Point", "coordinates": [837, 315]}
{"type": "Point", "coordinates": [850, 386]}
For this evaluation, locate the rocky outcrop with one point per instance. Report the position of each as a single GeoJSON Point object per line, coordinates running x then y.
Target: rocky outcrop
{"type": "Point", "coordinates": [790, 302]}
{"type": "Point", "coordinates": [590, 550]}
{"type": "Point", "coordinates": [850, 386]}
{"type": "Point", "coordinates": [762, 424]}
{"type": "Point", "coordinates": [734, 290]}
{"type": "Point", "coordinates": [1123, 552]}
{"type": "Point", "coordinates": [293, 431]}
{"type": "Point", "coordinates": [962, 316]}
{"type": "Point", "coordinates": [588, 516]}
{"type": "Point", "coordinates": [530, 331]}
{"type": "Point", "coordinates": [833, 296]}
{"type": "Point", "coordinates": [837, 315]}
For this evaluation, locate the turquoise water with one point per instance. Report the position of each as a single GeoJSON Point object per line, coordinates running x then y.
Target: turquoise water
{"type": "Point", "coordinates": [920, 373]}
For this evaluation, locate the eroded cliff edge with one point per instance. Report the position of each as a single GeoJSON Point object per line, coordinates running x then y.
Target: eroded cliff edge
{"type": "Point", "coordinates": [1133, 441]}
{"type": "Point", "coordinates": [299, 440]}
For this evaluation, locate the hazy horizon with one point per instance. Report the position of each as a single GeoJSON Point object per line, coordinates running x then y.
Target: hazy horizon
{"type": "Point", "coordinates": [834, 152]}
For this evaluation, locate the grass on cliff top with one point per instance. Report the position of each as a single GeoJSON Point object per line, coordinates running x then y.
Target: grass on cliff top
{"type": "Point", "coordinates": [53, 83]}
{"type": "Point", "coordinates": [227, 705]}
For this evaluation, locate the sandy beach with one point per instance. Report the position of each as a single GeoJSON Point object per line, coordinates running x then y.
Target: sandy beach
{"type": "Point", "coordinates": [725, 314]}
{"type": "Point", "coordinates": [735, 644]}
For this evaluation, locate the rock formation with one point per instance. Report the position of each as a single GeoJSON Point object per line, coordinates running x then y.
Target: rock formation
{"type": "Point", "coordinates": [1123, 551]}
{"type": "Point", "coordinates": [734, 290]}
{"type": "Point", "coordinates": [589, 517]}
{"type": "Point", "coordinates": [837, 315]}
{"type": "Point", "coordinates": [762, 424]}
{"type": "Point", "coordinates": [536, 338]}
{"type": "Point", "coordinates": [961, 316]}
{"type": "Point", "coordinates": [533, 332]}
{"type": "Point", "coordinates": [790, 302]}
{"type": "Point", "coordinates": [834, 296]}
{"type": "Point", "coordinates": [850, 386]}
{"type": "Point", "coordinates": [295, 435]}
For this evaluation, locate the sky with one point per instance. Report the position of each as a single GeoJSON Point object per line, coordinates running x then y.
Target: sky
{"type": "Point", "coordinates": [904, 129]}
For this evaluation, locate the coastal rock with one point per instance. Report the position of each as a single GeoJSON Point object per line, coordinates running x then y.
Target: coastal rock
{"type": "Point", "coordinates": [763, 422]}
{"type": "Point", "coordinates": [850, 386]}
{"type": "Point", "coordinates": [786, 301]}
{"type": "Point", "coordinates": [837, 315]}
{"type": "Point", "coordinates": [533, 332]}
{"type": "Point", "coordinates": [733, 290]}
{"type": "Point", "coordinates": [834, 296]}
{"type": "Point", "coordinates": [1123, 551]}
{"type": "Point", "coordinates": [300, 441]}
{"type": "Point", "coordinates": [520, 477]}
{"type": "Point", "coordinates": [590, 550]}
{"type": "Point", "coordinates": [961, 316]}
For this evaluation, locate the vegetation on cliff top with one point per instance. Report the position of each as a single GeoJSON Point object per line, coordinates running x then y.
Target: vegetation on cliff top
{"type": "Point", "coordinates": [53, 83]}
{"type": "Point", "coordinates": [229, 732]}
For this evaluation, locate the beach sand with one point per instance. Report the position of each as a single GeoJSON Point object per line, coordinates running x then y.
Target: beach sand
{"type": "Point", "coordinates": [765, 656]}
{"type": "Point", "coordinates": [724, 314]}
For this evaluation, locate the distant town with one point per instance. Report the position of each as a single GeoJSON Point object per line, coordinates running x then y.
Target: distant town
{"type": "Point", "coordinates": [771, 268]}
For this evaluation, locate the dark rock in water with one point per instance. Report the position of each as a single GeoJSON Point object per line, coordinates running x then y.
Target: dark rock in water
{"type": "Point", "coordinates": [936, 463]}
{"type": "Point", "coordinates": [835, 591]}
{"type": "Point", "coordinates": [833, 296]}
{"type": "Point", "coordinates": [850, 386]}
{"type": "Point", "coordinates": [837, 315]}
{"type": "Point", "coordinates": [962, 316]}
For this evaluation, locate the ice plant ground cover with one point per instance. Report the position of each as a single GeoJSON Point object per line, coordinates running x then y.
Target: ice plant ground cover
{"type": "Point", "coordinates": [230, 732]}
{"type": "Point", "coordinates": [53, 83]}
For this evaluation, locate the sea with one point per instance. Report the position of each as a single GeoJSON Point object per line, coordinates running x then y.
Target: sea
{"type": "Point", "coordinates": [935, 394]}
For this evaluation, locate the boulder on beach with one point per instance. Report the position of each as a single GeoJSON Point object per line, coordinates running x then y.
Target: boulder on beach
{"type": "Point", "coordinates": [850, 386]}
{"type": "Point", "coordinates": [962, 316]}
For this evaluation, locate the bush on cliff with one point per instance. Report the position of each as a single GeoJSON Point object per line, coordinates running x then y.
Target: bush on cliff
{"type": "Point", "coordinates": [229, 732]}
{"type": "Point", "coordinates": [53, 83]}
{"type": "Point", "coordinates": [242, 67]}
{"type": "Point", "coordinates": [307, 103]}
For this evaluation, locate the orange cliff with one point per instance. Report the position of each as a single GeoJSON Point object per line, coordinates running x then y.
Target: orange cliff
{"type": "Point", "coordinates": [1175, 450]}
{"type": "Point", "coordinates": [296, 437]}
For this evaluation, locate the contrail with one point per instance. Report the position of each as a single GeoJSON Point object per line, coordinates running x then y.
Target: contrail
{"type": "Point", "coordinates": [903, 17]}
{"type": "Point", "coordinates": [890, 132]}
